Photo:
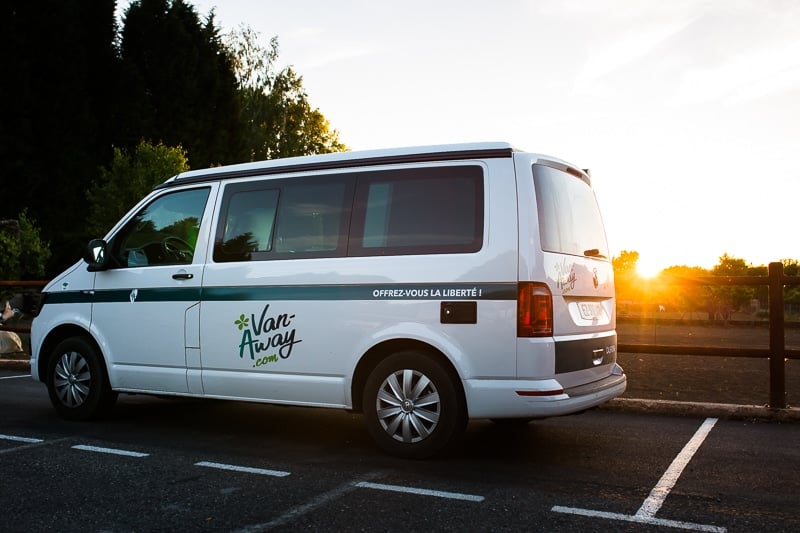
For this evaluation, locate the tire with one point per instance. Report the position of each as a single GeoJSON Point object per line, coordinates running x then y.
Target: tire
{"type": "Point", "coordinates": [412, 406]}
{"type": "Point", "coordinates": [77, 382]}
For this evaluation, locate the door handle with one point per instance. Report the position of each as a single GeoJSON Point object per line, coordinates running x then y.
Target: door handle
{"type": "Point", "coordinates": [182, 275]}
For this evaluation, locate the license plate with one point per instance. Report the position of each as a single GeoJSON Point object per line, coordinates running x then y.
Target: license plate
{"type": "Point", "coordinates": [590, 310]}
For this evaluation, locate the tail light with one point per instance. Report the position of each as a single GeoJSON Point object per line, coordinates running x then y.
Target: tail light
{"type": "Point", "coordinates": [534, 310]}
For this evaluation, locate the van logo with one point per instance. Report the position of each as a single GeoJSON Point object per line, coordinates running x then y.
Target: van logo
{"type": "Point", "coordinates": [594, 279]}
{"type": "Point", "coordinates": [566, 276]}
{"type": "Point", "coordinates": [268, 338]}
{"type": "Point", "coordinates": [134, 294]}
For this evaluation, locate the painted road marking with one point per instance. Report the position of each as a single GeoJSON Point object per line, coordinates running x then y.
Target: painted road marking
{"type": "Point", "coordinates": [660, 492]}
{"type": "Point", "coordinates": [423, 492]}
{"type": "Point", "coordinates": [246, 469]}
{"type": "Point", "coordinates": [286, 518]}
{"type": "Point", "coordinates": [20, 439]}
{"type": "Point", "coordinates": [652, 504]}
{"type": "Point", "coordinates": [112, 451]}
{"type": "Point", "coordinates": [639, 519]}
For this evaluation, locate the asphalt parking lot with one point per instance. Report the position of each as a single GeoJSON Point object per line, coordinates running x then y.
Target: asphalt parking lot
{"type": "Point", "coordinates": [158, 464]}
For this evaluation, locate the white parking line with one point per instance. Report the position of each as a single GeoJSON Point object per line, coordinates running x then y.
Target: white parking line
{"type": "Point", "coordinates": [246, 469]}
{"type": "Point", "coordinates": [20, 439]}
{"type": "Point", "coordinates": [112, 451]}
{"type": "Point", "coordinates": [646, 513]}
{"type": "Point", "coordinates": [423, 492]}
{"type": "Point", "coordinates": [300, 510]}
{"type": "Point", "coordinates": [660, 492]}
{"type": "Point", "coordinates": [638, 519]}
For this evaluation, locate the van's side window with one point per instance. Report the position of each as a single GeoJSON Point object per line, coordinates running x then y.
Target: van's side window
{"type": "Point", "coordinates": [284, 219]}
{"type": "Point", "coordinates": [419, 211]}
{"type": "Point", "coordinates": [164, 232]}
{"type": "Point", "coordinates": [249, 224]}
{"type": "Point", "coordinates": [310, 218]}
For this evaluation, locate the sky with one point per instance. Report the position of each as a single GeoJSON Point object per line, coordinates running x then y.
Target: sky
{"type": "Point", "coordinates": [687, 112]}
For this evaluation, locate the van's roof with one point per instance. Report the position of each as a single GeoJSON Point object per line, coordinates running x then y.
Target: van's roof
{"type": "Point", "coordinates": [440, 152]}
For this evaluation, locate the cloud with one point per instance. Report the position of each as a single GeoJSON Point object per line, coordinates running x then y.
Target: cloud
{"type": "Point", "coordinates": [628, 48]}
{"type": "Point", "coordinates": [754, 73]}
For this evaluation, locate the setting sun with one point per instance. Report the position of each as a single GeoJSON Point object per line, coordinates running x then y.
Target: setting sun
{"type": "Point", "coordinates": [648, 267]}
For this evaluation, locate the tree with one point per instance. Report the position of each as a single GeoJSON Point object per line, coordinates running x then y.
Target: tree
{"type": "Point", "coordinates": [724, 299]}
{"type": "Point", "coordinates": [685, 296]}
{"type": "Point", "coordinates": [59, 62]}
{"type": "Point", "coordinates": [625, 262]}
{"type": "Point", "coordinates": [279, 120]}
{"type": "Point", "coordinates": [25, 253]}
{"type": "Point", "coordinates": [179, 83]}
{"type": "Point", "coordinates": [130, 178]}
{"type": "Point", "coordinates": [626, 280]}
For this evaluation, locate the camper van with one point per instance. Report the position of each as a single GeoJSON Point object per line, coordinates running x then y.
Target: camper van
{"type": "Point", "coordinates": [422, 287]}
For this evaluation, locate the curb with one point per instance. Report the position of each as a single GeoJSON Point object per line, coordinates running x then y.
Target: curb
{"type": "Point", "coordinates": [14, 364]}
{"type": "Point", "coordinates": [718, 410]}
{"type": "Point", "coordinates": [632, 405]}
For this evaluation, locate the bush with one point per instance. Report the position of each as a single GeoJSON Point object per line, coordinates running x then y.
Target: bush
{"type": "Point", "coordinates": [24, 252]}
{"type": "Point", "coordinates": [9, 244]}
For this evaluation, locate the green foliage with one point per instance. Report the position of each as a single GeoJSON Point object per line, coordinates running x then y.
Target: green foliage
{"type": "Point", "coordinates": [9, 259]}
{"type": "Point", "coordinates": [681, 295]}
{"type": "Point", "coordinates": [278, 119]}
{"type": "Point", "coordinates": [34, 251]}
{"type": "Point", "coordinates": [24, 252]}
{"type": "Point", "coordinates": [56, 98]}
{"type": "Point", "coordinates": [675, 289]}
{"type": "Point", "coordinates": [130, 178]}
{"type": "Point", "coordinates": [724, 299]}
{"type": "Point", "coordinates": [179, 87]}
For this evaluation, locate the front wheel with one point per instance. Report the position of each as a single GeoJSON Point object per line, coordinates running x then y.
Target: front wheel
{"type": "Point", "coordinates": [77, 381]}
{"type": "Point", "coordinates": [413, 407]}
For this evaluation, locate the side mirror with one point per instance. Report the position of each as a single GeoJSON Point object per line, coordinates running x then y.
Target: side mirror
{"type": "Point", "coordinates": [95, 255]}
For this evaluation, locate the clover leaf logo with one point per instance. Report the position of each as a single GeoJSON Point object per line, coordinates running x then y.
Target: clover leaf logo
{"type": "Point", "coordinates": [242, 322]}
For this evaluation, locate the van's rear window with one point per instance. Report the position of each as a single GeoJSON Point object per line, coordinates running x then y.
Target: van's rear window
{"type": "Point", "coordinates": [569, 218]}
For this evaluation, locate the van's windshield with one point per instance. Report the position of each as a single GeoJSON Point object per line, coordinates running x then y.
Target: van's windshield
{"type": "Point", "coordinates": [569, 218]}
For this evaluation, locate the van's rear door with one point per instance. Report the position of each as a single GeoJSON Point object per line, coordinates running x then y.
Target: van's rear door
{"type": "Point", "coordinates": [567, 250]}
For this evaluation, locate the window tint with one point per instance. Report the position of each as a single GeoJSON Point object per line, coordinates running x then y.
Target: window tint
{"type": "Point", "coordinates": [419, 211]}
{"type": "Point", "coordinates": [249, 224]}
{"type": "Point", "coordinates": [164, 232]}
{"type": "Point", "coordinates": [310, 218]}
{"type": "Point", "coordinates": [569, 219]}
{"type": "Point", "coordinates": [281, 219]}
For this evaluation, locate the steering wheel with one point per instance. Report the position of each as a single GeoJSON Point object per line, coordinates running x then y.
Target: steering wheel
{"type": "Point", "coordinates": [177, 248]}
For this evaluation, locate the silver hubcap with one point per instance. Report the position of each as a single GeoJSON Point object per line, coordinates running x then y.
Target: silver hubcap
{"type": "Point", "coordinates": [72, 379]}
{"type": "Point", "coordinates": [408, 406]}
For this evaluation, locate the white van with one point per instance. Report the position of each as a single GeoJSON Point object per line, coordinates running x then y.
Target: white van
{"type": "Point", "coordinates": [421, 286]}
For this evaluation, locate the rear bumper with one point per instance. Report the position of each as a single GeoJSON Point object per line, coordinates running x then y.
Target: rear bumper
{"type": "Point", "coordinates": [539, 398]}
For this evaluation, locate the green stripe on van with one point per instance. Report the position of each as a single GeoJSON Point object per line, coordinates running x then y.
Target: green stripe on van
{"type": "Point", "coordinates": [416, 291]}
{"type": "Point", "coordinates": [382, 292]}
{"type": "Point", "coordinates": [167, 294]}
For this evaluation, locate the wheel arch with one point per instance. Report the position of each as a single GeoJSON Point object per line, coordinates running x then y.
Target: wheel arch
{"type": "Point", "coordinates": [377, 353]}
{"type": "Point", "coordinates": [58, 334]}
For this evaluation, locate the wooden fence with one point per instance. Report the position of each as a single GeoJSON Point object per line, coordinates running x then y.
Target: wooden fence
{"type": "Point", "coordinates": [777, 353]}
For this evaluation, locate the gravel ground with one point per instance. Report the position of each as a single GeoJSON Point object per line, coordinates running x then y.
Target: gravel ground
{"type": "Point", "coordinates": [734, 380]}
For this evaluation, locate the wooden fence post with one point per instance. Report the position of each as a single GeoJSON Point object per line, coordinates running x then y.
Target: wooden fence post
{"type": "Point", "coordinates": [777, 346]}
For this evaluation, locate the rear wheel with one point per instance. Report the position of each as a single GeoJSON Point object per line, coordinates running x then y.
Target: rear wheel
{"type": "Point", "coordinates": [412, 405]}
{"type": "Point", "coordinates": [76, 380]}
